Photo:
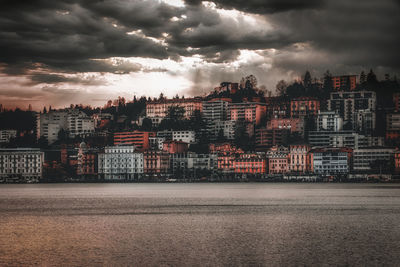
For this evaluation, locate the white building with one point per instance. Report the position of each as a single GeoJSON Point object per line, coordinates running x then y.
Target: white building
{"type": "Point", "coordinates": [21, 165]}
{"type": "Point", "coordinates": [79, 123]}
{"type": "Point", "coordinates": [184, 136]}
{"type": "Point", "coordinates": [120, 163]}
{"type": "Point", "coordinates": [364, 120]}
{"type": "Point", "coordinates": [74, 121]}
{"type": "Point", "coordinates": [215, 110]}
{"type": "Point", "coordinates": [156, 143]}
{"type": "Point", "coordinates": [6, 135]}
{"type": "Point", "coordinates": [347, 103]}
{"type": "Point", "coordinates": [364, 157]}
{"type": "Point", "coordinates": [331, 161]}
{"type": "Point", "coordinates": [330, 121]}
{"type": "Point", "coordinates": [350, 139]}
{"type": "Point", "coordinates": [393, 122]}
{"type": "Point", "coordinates": [191, 161]}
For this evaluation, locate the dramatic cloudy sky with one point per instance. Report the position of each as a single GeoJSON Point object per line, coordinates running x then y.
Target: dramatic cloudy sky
{"type": "Point", "coordinates": [89, 51]}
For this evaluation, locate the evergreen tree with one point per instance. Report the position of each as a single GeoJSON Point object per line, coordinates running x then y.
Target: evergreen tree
{"type": "Point", "coordinates": [363, 78]}
{"type": "Point", "coordinates": [371, 77]}
{"type": "Point", "coordinates": [307, 79]}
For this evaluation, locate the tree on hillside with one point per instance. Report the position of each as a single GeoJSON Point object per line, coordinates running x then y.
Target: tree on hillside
{"type": "Point", "coordinates": [281, 88]}
{"type": "Point", "coordinates": [307, 80]}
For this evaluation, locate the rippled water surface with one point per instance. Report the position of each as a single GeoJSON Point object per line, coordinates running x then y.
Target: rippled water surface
{"type": "Point", "coordinates": [200, 224]}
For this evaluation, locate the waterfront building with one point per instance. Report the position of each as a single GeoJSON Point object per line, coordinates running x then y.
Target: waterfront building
{"type": "Point", "coordinates": [250, 163]}
{"type": "Point", "coordinates": [331, 161]}
{"type": "Point", "coordinates": [298, 158]}
{"type": "Point", "coordinates": [21, 164]}
{"type": "Point", "coordinates": [156, 162]}
{"type": "Point", "coordinates": [120, 163]}
{"type": "Point", "coordinates": [365, 158]}
{"type": "Point", "coordinates": [191, 162]}
{"type": "Point", "coordinates": [278, 160]}
{"type": "Point", "coordinates": [87, 161]}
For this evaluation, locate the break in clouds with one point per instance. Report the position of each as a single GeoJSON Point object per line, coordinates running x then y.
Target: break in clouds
{"type": "Point", "coordinates": [87, 51]}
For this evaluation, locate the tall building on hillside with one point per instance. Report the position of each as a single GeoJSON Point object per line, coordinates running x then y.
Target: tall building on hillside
{"type": "Point", "coordinates": [6, 135]}
{"type": "Point", "coordinates": [349, 103]}
{"type": "Point", "coordinates": [329, 121]}
{"type": "Point", "coordinates": [73, 121]}
{"type": "Point", "coordinates": [247, 112]}
{"type": "Point", "coordinates": [344, 82]}
{"type": "Point", "coordinates": [304, 106]}
{"type": "Point", "coordinates": [140, 139]}
{"type": "Point", "coordinates": [160, 108]}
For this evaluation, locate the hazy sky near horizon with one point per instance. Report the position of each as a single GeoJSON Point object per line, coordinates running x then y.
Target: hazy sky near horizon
{"type": "Point", "coordinates": [88, 51]}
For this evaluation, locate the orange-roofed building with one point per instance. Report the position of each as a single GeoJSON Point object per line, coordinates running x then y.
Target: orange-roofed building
{"type": "Point", "coordinates": [173, 147]}
{"type": "Point", "coordinates": [250, 163]}
{"type": "Point", "coordinates": [304, 106]}
{"type": "Point", "coordinates": [139, 139]}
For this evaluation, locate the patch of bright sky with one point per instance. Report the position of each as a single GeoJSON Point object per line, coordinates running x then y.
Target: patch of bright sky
{"type": "Point", "coordinates": [178, 3]}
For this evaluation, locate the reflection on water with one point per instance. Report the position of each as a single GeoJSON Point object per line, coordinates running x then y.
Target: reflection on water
{"type": "Point", "coordinates": [199, 224]}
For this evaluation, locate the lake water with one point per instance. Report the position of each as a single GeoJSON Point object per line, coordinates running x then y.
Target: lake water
{"type": "Point", "coordinates": [257, 224]}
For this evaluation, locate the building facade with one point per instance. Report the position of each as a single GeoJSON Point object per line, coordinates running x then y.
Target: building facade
{"type": "Point", "coordinates": [329, 121]}
{"type": "Point", "coordinates": [160, 108]}
{"type": "Point", "coordinates": [331, 161]}
{"type": "Point", "coordinates": [247, 112]}
{"type": "Point", "coordinates": [6, 135]}
{"type": "Point", "coordinates": [344, 82]}
{"type": "Point", "coordinates": [140, 139]}
{"type": "Point", "coordinates": [21, 165]}
{"type": "Point", "coordinates": [298, 159]}
{"type": "Point", "coordinates": [120, 163]}
{"type": "Point", "coordinates": [304, 106]}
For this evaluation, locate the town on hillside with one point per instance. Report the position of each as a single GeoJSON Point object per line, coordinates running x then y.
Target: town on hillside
{"type": "Point", "coordinates": [331, 128]}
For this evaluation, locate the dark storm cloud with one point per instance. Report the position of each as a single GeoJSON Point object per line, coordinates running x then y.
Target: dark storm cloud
{"type": "Point", "coordinates": [91, 80]}
{"type": "Point", "coordinates": [64, 34]}
{"type": "Point", "coordinates": [264, 6]}
{"type": "Point", "coordinates": [75, 36]}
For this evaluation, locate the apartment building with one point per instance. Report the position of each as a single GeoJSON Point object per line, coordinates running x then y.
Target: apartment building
{"type": "Point", "coordinates": [140, 139]}
{"type": "Point", "coordinates": [329, 121]}
{"type": "Point", "coordinates": [331, 161]}
{"type": "Point", "coordinates": [21, 165]}
{"type": "Point", "coordinates": [160, 108]}
{"type": "Point", "coordinates": [344, 82]}
{"type": "Point", "coordinates": [348, 103]}
{"type": "Point", "coordinates": [304, 106]}
{"type": "Point", "coordinates": [120, 163]}
{"type": "Point", "coordinates": [247, 112]}
{"type": "Point", "coordinates": [6, 135]}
